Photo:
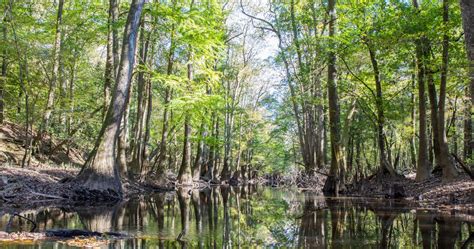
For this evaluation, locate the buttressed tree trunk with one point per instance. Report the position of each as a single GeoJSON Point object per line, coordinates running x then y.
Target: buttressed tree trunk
{"type": "Point", "coordinates": [335, 179]}
{"type": "Point", "coordinates": [467, 12]}
{"type": "Point", "coordinates": [101, 171]}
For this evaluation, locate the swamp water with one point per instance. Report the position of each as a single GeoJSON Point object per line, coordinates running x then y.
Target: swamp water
{"type": "Point", "coordinates": [253, 217]}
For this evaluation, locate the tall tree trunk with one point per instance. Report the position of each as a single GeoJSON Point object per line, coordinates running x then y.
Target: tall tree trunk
{"type": "Point", "coordinates": [228, 126]}
{"type": "Point", "coordinates": [138, 130]}
{"type": "Point", "coordinates": [101, 171]}
{"type": "Point", "coordinates": [145, 151]}
{"type": "Point", "coordinates": [335, 180]}
{"type": "Point", "coordinates": [423, 166]}
{"type": "Point", "coordinates": [63, 89]}
{"type": "Point", "coordinates": [467, 12]}
{"type": "Point", "coordinates": [413, 118]}
{"type": "Point", "coordinates": [122, 140]}
{"type": "Point", "coordinates": [70, 119]}
{"type": "Point", "coordinates": [212, 150]}
{"type": "Point", "coordinates": [216, 151]}
{"type": "Point", "coordinates": [22, 71]}
{"type": "Point", "coordinates": [449, 170]}
{"type": "Point", "coordinates": [310, 148]}
{"type": "Point", "coordinates": [385, 166]}
{"type": "Point", "coordinates": [54, 76]}
{"type": "Point", "coordinates": [434, 113]}
{"type": "Point", "coordinates": [168, 93]}
{"type": "Point", "coordinates": [111, 62]}
{"type": "Point", "coordinates": [198, 162]}
{"type": "Point", "coordinates": [185, 175]}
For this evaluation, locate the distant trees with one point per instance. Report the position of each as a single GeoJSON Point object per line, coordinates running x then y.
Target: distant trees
{"type": "Point", "coordinates": [373, 82]}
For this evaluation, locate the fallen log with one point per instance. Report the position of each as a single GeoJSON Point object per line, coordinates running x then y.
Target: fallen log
{"type": "Point", "coordinates": [68, 233]}
{"type": "Point", "coordinates": [59, 234]}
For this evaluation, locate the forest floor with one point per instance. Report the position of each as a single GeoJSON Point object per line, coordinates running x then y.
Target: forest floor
{"type": "Point", "coordinates": [454, 196]}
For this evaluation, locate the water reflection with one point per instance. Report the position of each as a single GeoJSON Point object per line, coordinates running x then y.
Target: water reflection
{"type": "Point", "coordinates": [251, 216]}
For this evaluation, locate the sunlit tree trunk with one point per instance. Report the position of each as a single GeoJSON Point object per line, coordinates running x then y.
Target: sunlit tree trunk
{"type": "Point", "coordinates": [145, 151]}
{"type": "Point", "coordinates": [101, 171]}
{"type": "Point", "coordinates": [111, 62]}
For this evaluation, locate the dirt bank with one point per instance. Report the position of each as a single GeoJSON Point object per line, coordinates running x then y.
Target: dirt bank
{"type": "Point", "coordinates": [34, 187]}
{"type": "Point", "coordinates": [457, 195]}
{"type": "Point", "coordinates": [44, 180]}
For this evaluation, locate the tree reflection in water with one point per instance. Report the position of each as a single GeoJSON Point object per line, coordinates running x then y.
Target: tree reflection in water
{"type": "Point", "coordinates": [250, 216]}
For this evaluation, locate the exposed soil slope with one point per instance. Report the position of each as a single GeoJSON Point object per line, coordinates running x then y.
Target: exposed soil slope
{"type": "Point", "coordinates": [431, 193]}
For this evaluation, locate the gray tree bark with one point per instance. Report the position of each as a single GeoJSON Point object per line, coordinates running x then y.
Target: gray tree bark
{"type": "Point", "coordinates": [112, 59]}
{"type": "Point", "coordinates": [101, 171]}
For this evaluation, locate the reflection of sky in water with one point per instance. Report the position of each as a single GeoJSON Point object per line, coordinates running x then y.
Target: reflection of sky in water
{"type": "Point", "coordinates": [250, 216]}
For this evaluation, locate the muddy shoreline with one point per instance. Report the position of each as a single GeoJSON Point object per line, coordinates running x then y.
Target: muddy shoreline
{"type": "Point", "coordinates": [22, 189]}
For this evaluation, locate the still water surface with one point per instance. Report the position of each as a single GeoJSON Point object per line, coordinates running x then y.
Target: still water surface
{"type": "Point", "coordinates": [253, 217]}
